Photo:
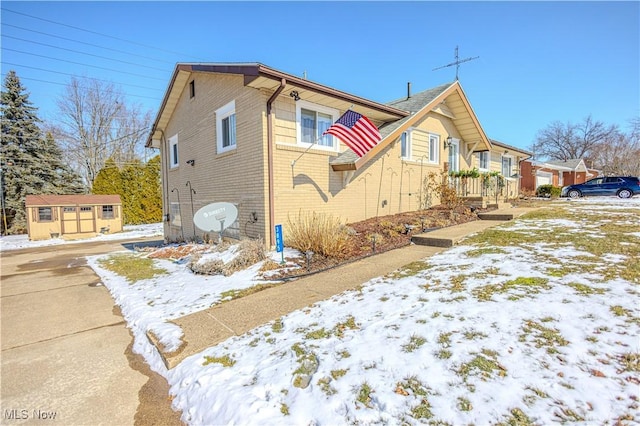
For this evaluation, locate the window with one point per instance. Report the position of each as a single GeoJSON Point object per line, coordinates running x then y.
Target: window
{"type": "Point", "coordinates": [226, 127]}
{"type": "Point", "coordinates": [434, 149]}
{"type": "Point", "coordinates": [313, 121]}
{"type": "Point", "coordinates": [483, 160]}
{"type": "Point", "coordinates": [506, 166]}
{"type": "Point", "coordinates": [69, 209]}
{"type": "Point", "coordinates": [192, 89]}
{"type": "Point", "coordinates": [454, 157]}
{"type": "Point", "coordinates": [107, 212]}
{"type": "Point", "coordinates": [45, 214]}
{"type": "Point", "coordinates": [173, 151]}
{"type": "Point", "coordinates": [85, 208]}
{"type": "Point", "coordinates": [405, 145]}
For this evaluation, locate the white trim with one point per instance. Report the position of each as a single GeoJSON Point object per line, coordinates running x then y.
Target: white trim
{"type": "Point", "coordinates": [174, 155]}
{"type": "Point", "coordinates": [334, 113]}
{"type": "Point", "coordinates": [221, 113]}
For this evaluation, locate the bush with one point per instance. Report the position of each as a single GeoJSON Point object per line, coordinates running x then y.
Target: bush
{"type": "Point", "coordinates": [548, 191]}
{"type": "Point", "coordinates": [323, 234]}
{"type": "Point", "coordinates": [249, 252]}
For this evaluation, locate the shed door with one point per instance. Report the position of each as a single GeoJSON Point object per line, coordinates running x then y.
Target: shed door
{"type": "Point", "coordinates": [86, 219]}
{"type": "Point", "coordinates": [69, 220]}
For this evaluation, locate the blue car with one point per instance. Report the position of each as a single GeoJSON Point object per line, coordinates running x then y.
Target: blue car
{"type": "Point", "coordinates": [622, 186]}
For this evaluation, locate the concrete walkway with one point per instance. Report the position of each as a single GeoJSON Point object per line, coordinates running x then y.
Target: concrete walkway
{"type": "Point", "coordinates": [209, 327]}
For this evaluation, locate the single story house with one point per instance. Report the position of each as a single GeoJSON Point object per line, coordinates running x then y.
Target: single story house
{"type": "Point", "coordinates": [74, 216]}
{"type": "Point", "coordinates": [556, 173]}
{"type": "Point", "coordinates": [252, 136]}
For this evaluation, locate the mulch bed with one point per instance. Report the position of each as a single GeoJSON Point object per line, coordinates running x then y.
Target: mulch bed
{"type": "Point", "coordinates": [391, 232]}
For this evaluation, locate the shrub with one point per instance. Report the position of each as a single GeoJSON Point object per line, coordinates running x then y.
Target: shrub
{"type": "Point", "coordinates": [548, 191]}
{"type": "Point", "coordinates": [322, 233]}
{"type": "Point", "coordinates": [249, 252]}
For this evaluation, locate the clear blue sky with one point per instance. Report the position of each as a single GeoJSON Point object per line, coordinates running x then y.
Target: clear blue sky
{"type": "Point", "coordinates": [538, 61]}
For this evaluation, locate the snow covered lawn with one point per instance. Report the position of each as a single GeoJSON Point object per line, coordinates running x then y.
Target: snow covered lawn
{"type": "Point", "coordinates": [536, 321]}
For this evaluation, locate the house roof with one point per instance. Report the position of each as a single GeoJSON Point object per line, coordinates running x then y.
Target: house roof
{"type": "Point", "coordinates": [260, 76]}
{"type": "Point", "coordinates": [70, 200]}
{"type": "Point", "coordinates": [447, 99]}
{"type": "Point", "coordinates": [392, 118]}
{"type": "Point", "coordinates": [572, 163]}
{"type": "Point", "coordinates": [511, 147]}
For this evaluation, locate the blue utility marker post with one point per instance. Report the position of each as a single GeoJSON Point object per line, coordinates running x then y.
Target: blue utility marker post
{"type": "Point", "coordinates": [279, 242]}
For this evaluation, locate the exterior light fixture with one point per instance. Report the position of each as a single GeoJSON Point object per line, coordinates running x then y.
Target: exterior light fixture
{"type": "Point", "coordinates": [448, 142]}
{"type": "Point", "coordinates": [191, 162]}
{"type": "Point", "coordinates": [295, 95]}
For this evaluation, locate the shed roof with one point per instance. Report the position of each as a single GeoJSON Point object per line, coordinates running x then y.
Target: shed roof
{"type": "Point", "coordinates": [70, 200]}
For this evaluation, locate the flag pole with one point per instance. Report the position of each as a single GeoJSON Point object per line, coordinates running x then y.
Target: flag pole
{"type": "Point", "coordinates": [293, 163]}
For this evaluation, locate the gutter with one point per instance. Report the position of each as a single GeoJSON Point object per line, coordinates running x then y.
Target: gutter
{"type": "Point", "coordinates": [272, 214]}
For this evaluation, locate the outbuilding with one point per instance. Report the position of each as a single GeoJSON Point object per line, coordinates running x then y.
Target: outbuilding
{"type": "Point", "coordinates": [72, 216]}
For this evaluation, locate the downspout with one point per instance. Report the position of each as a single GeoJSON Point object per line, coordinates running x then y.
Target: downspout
{"type": "Point", "coordinates": [272, 213]}
{"type": "Point", "coordinates": [164, 158]}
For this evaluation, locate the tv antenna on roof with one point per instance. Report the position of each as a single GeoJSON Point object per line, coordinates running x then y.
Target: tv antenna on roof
{"type": "Point", "coordinates": [457, 63]}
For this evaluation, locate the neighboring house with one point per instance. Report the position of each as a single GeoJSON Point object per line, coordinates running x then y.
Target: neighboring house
{"type": "Point", "coordinates": [251, 135]}
{"type": "Point", "coordinates": [556, 173]}
{"type": "Point", "coordinates": [75, 216]}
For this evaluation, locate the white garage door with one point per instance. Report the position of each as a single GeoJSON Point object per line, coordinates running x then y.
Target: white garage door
{"type": "Point", "coordinates": [543, 179]}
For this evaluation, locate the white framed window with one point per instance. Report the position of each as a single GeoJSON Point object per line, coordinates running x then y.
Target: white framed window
{"type": "Point", "coordinates": [434, 149]}
{"type": "Point", "coordinates": [311, 122]}
{"type": "Point", "coordinates": [226, 127]}
{"type": "Point", "coordinates": [173, 151]}
{"type": "Point", "coordinates": [483, 160]}
{"type": "Point", "coordinates": [507, 164]}
{"type": "Point", "coordinates": [405, 145]}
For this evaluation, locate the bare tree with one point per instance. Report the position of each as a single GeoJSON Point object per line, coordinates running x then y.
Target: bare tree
{"type": "Point", "coordinates": [560, 141]}
{"type": "Point", "coordinates": [96, 124]}
{"type": "Point", "coordinates": [620, 153]}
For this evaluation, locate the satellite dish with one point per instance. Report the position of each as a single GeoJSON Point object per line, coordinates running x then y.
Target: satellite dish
{"type": "Point", "coordinates": [215, 217]}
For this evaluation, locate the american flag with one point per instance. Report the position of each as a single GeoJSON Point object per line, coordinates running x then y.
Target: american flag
{"type": "Point", "coordinates": [356, 131]}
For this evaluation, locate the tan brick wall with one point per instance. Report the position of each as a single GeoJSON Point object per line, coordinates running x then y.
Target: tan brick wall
{"type": "Point", "coordinates": [237, 176]}
{"type": "Point", "coordinates": [385, 185]}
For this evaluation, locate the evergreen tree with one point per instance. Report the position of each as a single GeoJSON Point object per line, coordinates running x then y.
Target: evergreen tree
{"type": "Point", "coordinates": [108, 181]}
{"type": "Point", "coordinates": [138, 185]}
{"type": "Point", "coordinates": [20, 137]}
{"type": "Point", "coordinates": [152, 191]}
{"type": "Point", "coordinates": [30, 163]}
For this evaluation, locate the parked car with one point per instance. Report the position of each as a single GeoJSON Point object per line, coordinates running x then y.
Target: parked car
{"type": "Point", "coordinates": [622, 186]}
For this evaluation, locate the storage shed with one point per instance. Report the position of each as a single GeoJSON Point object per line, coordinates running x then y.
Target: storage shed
{"type": "Point", "coordinates": [72, 216]}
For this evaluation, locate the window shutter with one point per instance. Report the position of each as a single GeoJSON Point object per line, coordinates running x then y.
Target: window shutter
{"type": "Point", "coordinates": [100, 212]}
{"type": "Point", "coordinates": [34, 215]}
{"type": "Point", "coordinates": [116, 211]}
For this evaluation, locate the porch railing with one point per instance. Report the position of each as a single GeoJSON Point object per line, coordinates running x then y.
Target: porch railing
{"type": "Point", "coordinates": [493, 187]}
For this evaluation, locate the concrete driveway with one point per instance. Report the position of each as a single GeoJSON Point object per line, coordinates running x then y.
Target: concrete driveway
{"type": "Point", "coordinates": [66, 353]}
